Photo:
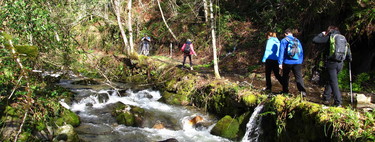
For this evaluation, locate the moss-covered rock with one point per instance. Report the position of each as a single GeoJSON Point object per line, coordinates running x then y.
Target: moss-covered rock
{"type": "Point", "coordinates": [175, 99]}
{"type": "Point", "coordinates": [226, 127]}
{"type": "Point", "coordinates": [128, 115]}
{"type": "Point", "coordinates": [250, 100]}
{"type": "Point", "coordinates": [68, 117]}
{"type": "Point", "coordinates": [66, 133]}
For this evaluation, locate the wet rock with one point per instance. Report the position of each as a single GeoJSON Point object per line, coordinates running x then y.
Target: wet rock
{"type": "Point", "coordinates": [159, 126]}
{"type": "Point", "coordinates": [128, 115]}
{"type": "Point", "coordinates": [363, 99]}
{"type": "Point", "coordinates": [66, 133]}
{"type": "Point", "coordinates": [169, 140]}
{"type": "Point", "coordinates": [103, 97]}
{"type": "Point", "coordinates": [86, 82]}
{"type": "Point", "coordinates": [195, 120]}
{"type": "Point", "coordinates": [202, 126]}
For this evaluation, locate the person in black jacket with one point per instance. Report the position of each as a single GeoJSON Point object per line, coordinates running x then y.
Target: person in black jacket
{"type": "Point", "coordinates": [333, 67]}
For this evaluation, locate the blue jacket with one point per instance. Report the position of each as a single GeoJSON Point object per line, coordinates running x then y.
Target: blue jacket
{"type": "Point", "coordinates": [283, 52]}
{"type": "Point", "coordinates": [272, 49]}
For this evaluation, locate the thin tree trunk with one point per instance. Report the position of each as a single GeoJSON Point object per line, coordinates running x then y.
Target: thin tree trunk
{"type": "Point", "coordinates": [216, 66]}
{"type": "Point", "coordinates": [205, 8]}
{"type": "Point", "coordinates": [23, 71]}
{"type": "Point", "coordinates": [130, 26]}
{"type": "Point", "coordinates": [117, 7]}
{"type": "Point", "coordinates": [165, 22]}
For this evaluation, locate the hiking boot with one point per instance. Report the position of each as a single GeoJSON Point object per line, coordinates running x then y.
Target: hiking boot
{"type": "Point", "coordinates": [337, 105]}
{"type": "Point", "coordinates": [326, 103]}
{"type": "Point", "coordinates": [266, 90]}
{"type": "Point", "coordinates": [283, 92]}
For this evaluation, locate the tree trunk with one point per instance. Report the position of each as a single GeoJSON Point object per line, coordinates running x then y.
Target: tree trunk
{"type": "Point", "coordinates": [130, 26]}
{"type": "Point", "coordinates": [117, 6]}
{"type": "Point", "coordinates": [205, 8]}
{"type": "Point", "coordinates": [216, 66]}
{"type": "Point", "coordinates": [165, 22]}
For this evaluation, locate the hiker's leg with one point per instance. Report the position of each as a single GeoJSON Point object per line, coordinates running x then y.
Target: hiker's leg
{"type": "Point", "coordinates": [147, 49]}
{"type": "Point", "coordinates": [276, 71]}
{"type": "Point", "coordinates": [334, 82]}
{"type": "Point", "coordinates": [191, 62]}
{"type": "Point", "coordinates": [286, 70]}
{"type": "Point", "coordinates": [183, 63]}
{"type": "Point", "coordinates": [297, 71]}
{"type": "Point", "coordinates": [328, 88]}
{"type": "Point", "coordinates": [268, 74]}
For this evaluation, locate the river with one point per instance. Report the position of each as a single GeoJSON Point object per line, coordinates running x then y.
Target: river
{"type": "Point", "coordinates": [94, 104]}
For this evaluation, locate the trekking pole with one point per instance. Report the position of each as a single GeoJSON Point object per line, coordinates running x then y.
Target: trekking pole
{"type": "Point", "coordinates": [350, 79]}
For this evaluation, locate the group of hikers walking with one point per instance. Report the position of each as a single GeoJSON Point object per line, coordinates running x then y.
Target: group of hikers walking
{"type": "Point", "coordinates": [287, 55]}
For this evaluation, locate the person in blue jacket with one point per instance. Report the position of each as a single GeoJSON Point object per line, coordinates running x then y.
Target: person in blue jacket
{"type": "Point", "coordinates": [288, 64]}
{"type": "Point", "coordinates": [271, 57]}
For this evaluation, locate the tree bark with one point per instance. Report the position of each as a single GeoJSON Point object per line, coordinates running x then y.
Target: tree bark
{"type": "Point", "coordinates": [165, 22]}
{"type": "Point", "coordinates": [216, 66]}
{"type": "Point", "coordinates": [117, 6]}
{"type": "Point", "coordinates": [130, 26]}
{"type": "Point", "coordinates": [205, 8]}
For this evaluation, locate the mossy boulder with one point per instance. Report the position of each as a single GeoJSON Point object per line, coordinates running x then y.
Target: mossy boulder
{"type": "Point", "coordinates": [128, 115]}
{"type": "Point", "coordinates": [174, 99]}
{"type": "Point", "coordinates": [66, 133]}
{"type": "Point", "coordinates": [30, 51]}
{"type": "Point", "coordinates": [226, 127]}
{"type": "Point", "coordinates": [68, 117]}
{"type": "Point", "coordinates": [250, 99]}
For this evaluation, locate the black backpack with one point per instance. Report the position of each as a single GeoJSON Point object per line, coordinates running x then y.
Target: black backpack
{"type": "Point", "coordinates": [187, 49]}
{"type": "Point", "coordinates": [338, 47]}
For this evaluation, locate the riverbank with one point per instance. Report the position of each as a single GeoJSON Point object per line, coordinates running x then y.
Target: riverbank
{"type": "Point", "coordinates": [287, 114]}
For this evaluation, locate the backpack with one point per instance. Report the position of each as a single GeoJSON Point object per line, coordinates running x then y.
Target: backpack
{"type": "Point", "coordinates": [187, 49]}
{"type": "Point", "coordinates": [293, 50]}
{"type": "Point", "coordinates": [338, 47]}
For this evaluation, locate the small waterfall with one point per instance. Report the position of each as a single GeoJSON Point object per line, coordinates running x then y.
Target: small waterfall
{"type": "Point", "coordinates": [253, 127]}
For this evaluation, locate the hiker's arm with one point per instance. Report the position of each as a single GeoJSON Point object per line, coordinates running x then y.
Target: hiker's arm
{"type": "Point", "coordinates": [283, 44]}
{"type": "Point", "coordinates": [192, 50]}
{"type": "Point", "coordinates": [266, 51]}
{"type": "Point", "coordinates": [320, 38]}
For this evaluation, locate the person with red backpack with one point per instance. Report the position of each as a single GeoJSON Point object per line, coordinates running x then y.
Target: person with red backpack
{"type": "Point", "coordinates": [188, 50]}
{"type": "Point", "coordinates": [337, 53]}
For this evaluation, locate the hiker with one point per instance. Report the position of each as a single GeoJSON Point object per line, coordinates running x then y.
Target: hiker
{"type": "Point", "coordinates": [188, 50]}
{"type": "Point", "coordinates": [291, 58]}
{"type": "Point", "coordinates": [333, 64]}
{"type": "Point", "coordinates": [271, 57]}
{"type": "Point", "coordinates": [145, 45]}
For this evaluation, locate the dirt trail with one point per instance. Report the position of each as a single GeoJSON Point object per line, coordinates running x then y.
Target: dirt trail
{"type": "Point", "coordinates": [257, 80]}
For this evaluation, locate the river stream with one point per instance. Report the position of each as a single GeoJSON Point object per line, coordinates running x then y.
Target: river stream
{"type": "Point", "coordinates": [94, 104]}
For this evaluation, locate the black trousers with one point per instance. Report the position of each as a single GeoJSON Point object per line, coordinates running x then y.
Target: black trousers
{"type": "Point", "coordinates": [187, 55]}
{"type": "Point", "coordinates": [332, 85]}
{"type": "Point", "coordinates": [272, 65]}
{"type": "Point", "coordinates": [297, 71]}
